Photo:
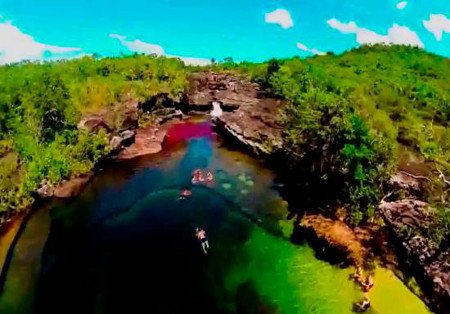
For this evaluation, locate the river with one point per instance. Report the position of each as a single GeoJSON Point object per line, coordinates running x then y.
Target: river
{"type": "Point", "coordinates": [127, 245]}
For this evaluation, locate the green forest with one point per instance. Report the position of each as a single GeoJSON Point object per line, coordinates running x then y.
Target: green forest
{"type": "Point", "coordinates": [352, 120]}
{"type": "Point", "coordinates": [40, 107]}
{"type": "Point", "coordinates": [357, 118]}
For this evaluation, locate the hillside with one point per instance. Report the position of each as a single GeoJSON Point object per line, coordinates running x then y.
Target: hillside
{"type": "Point", "coordinates": [41, 105]}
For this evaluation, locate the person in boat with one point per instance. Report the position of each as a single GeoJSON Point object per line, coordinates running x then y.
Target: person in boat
{"type": "Point", "coordinates": [201, 237]}
{"type": "Point", "coordinates": [209, 176]}
{"type": "Point", "coordinates": [185, 193]}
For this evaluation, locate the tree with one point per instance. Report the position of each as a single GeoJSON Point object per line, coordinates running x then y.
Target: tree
{"type": "Point", "coordinates": [228, 60]}
{"type": "Point", "coordinates": [51, 98]}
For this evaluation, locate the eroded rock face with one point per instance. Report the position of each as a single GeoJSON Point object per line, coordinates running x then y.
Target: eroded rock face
{"type": "Point", "coordinates": [249, 117]}
{"type": "Point", "coordinates": [410, 185]}
{"type": "Point", "coordinates": [432, 264]}
{"type": "Point", "coordinates": [123, 139]}
{"type": "Point", "coordinates": [93, 124]}
{"type": "Point", "coordinates": [147, 141]}
{"type": "Point", "coordinates": [73, 187]}
{"type": "Point", "coordinates": [66, 189]}
{"type": "Point", "coordinates": [45, 190]}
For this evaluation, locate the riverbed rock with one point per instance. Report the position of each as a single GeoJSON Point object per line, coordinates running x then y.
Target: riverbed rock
{"type": "Point", "coordinates": [147, 141]}
{"type": "Point", "coordinates": [93, 124]}
{"type": "Point", "coordinates": [72, 187]}
{"type": "Point", "coordinates": [249, 116]}
{"type": "Point", "coordinates": [409, 184]}
{"type": "Point", "coordinates": [335, 237]}
{"type": "Point", "coordinates": [161, 100]}
{"type": "Point", "coordinates": [123, 139]}
{"type": "Point", "coordinates": [406, 218]}
{"type": "Point", "coordinates": [45, 190]}
{"type": "Point", "coordinates": [165, 115]}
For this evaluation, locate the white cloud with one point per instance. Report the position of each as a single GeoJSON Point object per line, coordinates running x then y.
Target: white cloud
{"type": "Point", "coordinates": [402, 35]}
{"type": "Point", "coordinates": [16, 46]}
{"type": "Point", "coordinates": [401, 5]}
{"type": "Point", "coordinates": [437, 24]}
{"type": "Point", "coordinates": [194, 61]}
{"type": "Point", "coordinates": [281, 17]}
{"type": "Point", "coordinates": [313, 50]}
{"type": "Point", "coordinates": [345, 28]}
{"type": "Point", "coordinates": [398, 35]}
{"type": "Point", "coordinates": [147, 48]}
{"type": "Point", "coordinates": [139, 46]}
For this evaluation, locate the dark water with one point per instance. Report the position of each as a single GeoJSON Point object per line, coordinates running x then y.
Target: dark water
{"type": "Point", "coordinates": [127, 244]}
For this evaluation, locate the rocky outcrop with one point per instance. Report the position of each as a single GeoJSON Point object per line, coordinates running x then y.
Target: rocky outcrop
{"type": "Point", "coordinates": [93, 124]}
{"type": "Point", "coordinates": [407, 219]}
{"type": "Point", "coordinates": [249, 116]}
{"type": "Point", "coordinates": [72, 187]}
{"type": "Point", "coordinates": [334, 237]}
{"type": "Point", "coordinates": [147, 141]}
{"type": "Point", "coordinates": [123, 139]}
{"type": "Point", "coordinates": [65, 189]}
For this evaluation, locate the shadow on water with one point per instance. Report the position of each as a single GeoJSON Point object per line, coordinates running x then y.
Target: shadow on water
{"type": "Point", "coordinates": [146, 258]}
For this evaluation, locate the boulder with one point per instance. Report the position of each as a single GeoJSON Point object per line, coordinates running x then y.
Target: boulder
{"type": "Point", "coordinates": [71, 188]}
{"type": "Point", "coordinates": [431, 264]}
{"type": "Point", "coordinates": [147, 141]}
{"type": "Point", "coordinates": [410, 184]}
{"type": "Point", "coordinates": [161, 100]}
{"type": "Point", "coordinates": [123, 139]}
{"type": "Point", "coordinates": [45, 189]}
{"type": "Point", "coordinates": [93, 124]}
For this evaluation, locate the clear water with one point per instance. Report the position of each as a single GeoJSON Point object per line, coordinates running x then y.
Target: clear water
{"type": "Point", "coordinates": [127, 245]}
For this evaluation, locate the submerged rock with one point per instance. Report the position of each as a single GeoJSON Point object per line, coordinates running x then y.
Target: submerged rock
{"type": "Point", "coordinates": [226, 186]}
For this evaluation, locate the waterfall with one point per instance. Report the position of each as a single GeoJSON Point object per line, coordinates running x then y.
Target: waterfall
{"type": "Point", "coordinates": [217, 111]}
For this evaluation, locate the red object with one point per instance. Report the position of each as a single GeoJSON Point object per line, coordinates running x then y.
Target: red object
{"type": "Point", "coordinates": [181, 132]}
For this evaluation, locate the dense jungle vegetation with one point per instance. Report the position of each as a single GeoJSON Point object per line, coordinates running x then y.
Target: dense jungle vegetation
{"type": "Point", "coordinates": [356, 118]}
{"type": "Point", "coordinates": [41, 104]}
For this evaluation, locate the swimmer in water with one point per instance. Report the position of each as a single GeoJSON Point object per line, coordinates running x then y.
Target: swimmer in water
{"type": "Point", "coordinates": [364, 305]}
{"type": "Point", "coordinates": [201, 236]}
{"type": "Point", "coordinates": [197, 176]}
{"type": "Point", "coordinates": [185, 194]}
{"type": "Point", "coordinates": [209, 176]}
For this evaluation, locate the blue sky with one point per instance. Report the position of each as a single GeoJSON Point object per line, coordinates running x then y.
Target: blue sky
{"type": "Point", "coordinates": [253, 30]}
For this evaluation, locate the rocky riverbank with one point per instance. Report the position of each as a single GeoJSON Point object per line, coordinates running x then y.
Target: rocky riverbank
{"type": "Point", "coordinates": [408, 219]}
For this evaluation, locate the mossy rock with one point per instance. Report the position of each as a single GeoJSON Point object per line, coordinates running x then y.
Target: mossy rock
{"type": "Point", "coordinates": [226, 186]}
